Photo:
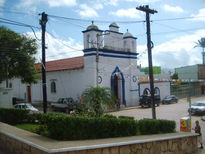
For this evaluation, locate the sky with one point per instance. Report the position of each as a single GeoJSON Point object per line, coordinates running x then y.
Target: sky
{"type": "Point", "coordinates": [175, 28]}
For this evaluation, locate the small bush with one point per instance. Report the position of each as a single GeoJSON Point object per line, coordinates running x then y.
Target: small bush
{"type": "Point", "coordinates": [154, 126]}
{"type": "Point", "coordinates": [13, 116]}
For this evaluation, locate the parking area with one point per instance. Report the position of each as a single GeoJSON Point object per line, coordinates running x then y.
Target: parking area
{"type": "Point", "coordinates": [170, 112]}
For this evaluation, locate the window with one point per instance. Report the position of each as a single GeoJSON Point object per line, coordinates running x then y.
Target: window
{"type": "Point", "coordinates": [53, 87]}
{"type": "Point", "coordinates": [10, 85]}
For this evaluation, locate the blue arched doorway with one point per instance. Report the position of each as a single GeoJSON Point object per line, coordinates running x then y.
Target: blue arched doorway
{"type": "Point", "coordinates": [118, 84]}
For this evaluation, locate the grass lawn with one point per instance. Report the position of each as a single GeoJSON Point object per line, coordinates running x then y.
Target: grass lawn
{"type": "Point", "coordinates": [29, 127]}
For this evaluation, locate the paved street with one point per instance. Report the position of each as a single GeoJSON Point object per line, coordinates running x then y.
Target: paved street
{"type": "Point", "coordinates": [170, 112]}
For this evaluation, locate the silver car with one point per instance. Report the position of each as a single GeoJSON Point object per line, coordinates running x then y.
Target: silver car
{"type": "Point", "coordinates": [198, 108]}
{"type": "Point", "coordinates": [26, 106]}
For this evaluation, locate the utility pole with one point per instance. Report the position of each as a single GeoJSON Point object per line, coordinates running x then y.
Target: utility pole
{"type": "Point", "coordinates": [43, 22]}
{"type": "Point", "coordinates": [149, 48]}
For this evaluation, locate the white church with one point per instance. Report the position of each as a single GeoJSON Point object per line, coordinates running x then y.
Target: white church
{"type": "Point", "coordinates": [110, 60]}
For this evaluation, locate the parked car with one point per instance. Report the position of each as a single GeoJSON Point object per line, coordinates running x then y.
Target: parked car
{"type": "Point", "coordinates": [26, 106]}
{"type": "Point", "coordinates": [145, 100]}
{"type": "Point", "coordinates": [197, 108]}
{"type": "Point", "coordinates": [64, 104]}
{"type": "Point", "coordinates": [170, 99]}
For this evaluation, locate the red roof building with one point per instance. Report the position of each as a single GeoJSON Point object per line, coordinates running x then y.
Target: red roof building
{"type": "Point", "coordinates": [62, 64]}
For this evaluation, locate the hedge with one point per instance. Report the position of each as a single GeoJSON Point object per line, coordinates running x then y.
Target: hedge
{"type": "Point", "coordinates": [63, 127]}
{"type": "Point", "coordinates": [13, 116]}
{"type": "Point", "coordinates": [66, 127]}
{"type": "Point", "coordinates": [156, 126]}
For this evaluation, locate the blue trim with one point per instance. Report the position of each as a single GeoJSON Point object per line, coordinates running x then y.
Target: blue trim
{"type": "Point", "coordinates": [113, 56]}
{"type": "Point", "coordinates": [156, 89]}
{"type": "Point", "coordinates": [130, 37]}
{"type": "Point", "coordinates": [146, 89]}
{"type": "Point", "coordinates": [97, 30]}
{"type": "Point", "coordinates": [117, 70]}
{"type": "Point", "coordinates": [111, 51]}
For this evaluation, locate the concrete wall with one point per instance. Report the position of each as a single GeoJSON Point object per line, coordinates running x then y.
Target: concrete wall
{"type": "Point", "coordinates": [19, 141]}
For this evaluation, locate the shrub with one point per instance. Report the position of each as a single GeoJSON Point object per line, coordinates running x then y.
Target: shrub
{"type": "Point", "coordinates": [95, 98]}
{"type": "Point", "coordinates": [13, 116]}
{"type": "Point", "coordinates": [64, 127]}
{"type": "Point", "coordinates": [153, 126]}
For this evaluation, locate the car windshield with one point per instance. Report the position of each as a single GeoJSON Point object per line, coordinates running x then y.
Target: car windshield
{"type": "Point", "coordinates": [198, 104]}
{"type": "Point", "coordinates": [167, 97]}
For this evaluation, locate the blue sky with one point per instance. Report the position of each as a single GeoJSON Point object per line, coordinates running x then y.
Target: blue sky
{"type": "Point", "coordinates": [174, 39]}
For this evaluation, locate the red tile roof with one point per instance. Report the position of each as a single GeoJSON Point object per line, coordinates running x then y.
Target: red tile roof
{"type": "Point", "coordinates": [62, 64]}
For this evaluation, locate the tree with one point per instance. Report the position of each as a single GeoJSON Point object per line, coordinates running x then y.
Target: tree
{"type": "Point", "coordinates": [175, 76]}
{"type": "Point", "coordinates": [96, 97]}
{"type": "Point", "coordinates": [17, 56]}
{"type": "Point", "coordinates": [201, 43]}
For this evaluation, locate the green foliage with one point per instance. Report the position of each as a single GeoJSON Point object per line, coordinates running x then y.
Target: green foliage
{"type": "Point", "coordinates": [96, 98]}
{"type": "Point", "coordinates": [64, 127]}
{"type": "Point", "coordinates": [154, 126]}
{"type": "Point", "coordinates": [175, 76]}
{"type": "Point", "coordinates": [13, 116]}
{"type": "Point", "coordinates": [17, 56]}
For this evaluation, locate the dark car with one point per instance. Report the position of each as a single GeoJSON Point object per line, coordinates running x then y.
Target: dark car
{"type": "Point", "coordinates": [145, 100]}
{"type": "Point", "coordinates": [197, 108]}
{"type": "Point", "coordinates": [170, 99]}
{"type": "Point", "coordinates": [63, 104]}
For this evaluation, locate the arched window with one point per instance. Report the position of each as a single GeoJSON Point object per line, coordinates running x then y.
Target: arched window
{"type": "Point", "coordinates": [53, 87]}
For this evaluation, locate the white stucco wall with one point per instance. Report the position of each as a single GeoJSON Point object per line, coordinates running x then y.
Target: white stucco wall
{"type": "Point", "coordinates": [163, 86]}
{"type": "Point", "coordinates": [6, 95]}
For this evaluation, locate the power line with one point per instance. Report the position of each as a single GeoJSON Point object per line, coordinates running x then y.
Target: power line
{"type": "Point", "coordinates": [98, 21]}
{"type": "Point", "coordinates": [180, 18]}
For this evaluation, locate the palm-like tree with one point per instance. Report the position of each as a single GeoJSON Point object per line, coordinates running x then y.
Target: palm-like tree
{"type": "Point", "coordinates": [96, 97]}
{"type": "Point", "coordinates": [201, 43]}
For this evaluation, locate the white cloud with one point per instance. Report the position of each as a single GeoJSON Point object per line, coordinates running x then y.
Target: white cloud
{"type": "Point", "coordinates": [175, 9]}
{"type": "Point", "coordinates": [87, 11]}
{"type": "Point", "coordinates": [57, 48]}
{"type": "Point", "coordinates": [200, 16]}
{"type": "Point", "coordinates": [131, 13]}
{"type": "Point", "coordinates": [51, 3]}
{"type": "Point", "coordinates": [2, 2]}
{"type": "Point", "coordinates": [98, 6]}
{"type": "Point", "coordinates": [176, 52]}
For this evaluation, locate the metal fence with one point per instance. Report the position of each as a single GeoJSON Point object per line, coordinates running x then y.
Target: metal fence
{"type": "Point", "coordinates": [184, 90]}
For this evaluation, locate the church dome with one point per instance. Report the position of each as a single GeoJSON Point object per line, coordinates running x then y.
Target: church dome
{"type": "Point", "coordinates": [92, 26]}
{"type": "Point", "coordinates": [127, 34]}
{"type": "Point", "coordinates": [114, 25]}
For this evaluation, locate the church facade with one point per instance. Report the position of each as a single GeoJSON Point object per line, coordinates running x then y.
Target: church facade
{"type": "Point", "coordinates": [110, 60]}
